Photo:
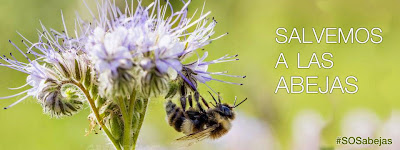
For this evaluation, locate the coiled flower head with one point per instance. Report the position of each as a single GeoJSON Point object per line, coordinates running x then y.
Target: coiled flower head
{"type": "Point", "coordinates": [58, 62]}
{"type": "Point", "coordinates": [59, 100]}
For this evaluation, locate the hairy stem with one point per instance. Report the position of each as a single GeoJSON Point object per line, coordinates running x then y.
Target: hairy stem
{"type": "Point", "coordinates": [96, 113]}
{"type": "Point", "coordinates": [132, 103]}
{"type": "Point", "coordinates": [142, 115]}
{"type": "Point", "coordinates": [127, 124]}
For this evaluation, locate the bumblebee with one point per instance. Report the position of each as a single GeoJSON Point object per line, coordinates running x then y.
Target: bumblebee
{"type": "Point", "coordinates": [200, 122]}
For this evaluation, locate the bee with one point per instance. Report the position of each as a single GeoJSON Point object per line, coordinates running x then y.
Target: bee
{"type": "Point", "coordinates": [198, 123]}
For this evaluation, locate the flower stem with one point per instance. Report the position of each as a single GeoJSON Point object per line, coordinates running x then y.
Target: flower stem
{"type": "Point", "coordinates": [132, 104]}
{"type": "Point", "coordinates": [128, 134]}
{"type": "Point", "coordinates": [142, 115]}
{"type": "Point", "coordinates": [127, 124]}
{"type": "Point", "coordinates": [97, 115]}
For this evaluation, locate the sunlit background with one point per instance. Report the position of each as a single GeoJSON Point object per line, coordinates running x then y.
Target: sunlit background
{"type": "Point", "coordinates": [267, 121]}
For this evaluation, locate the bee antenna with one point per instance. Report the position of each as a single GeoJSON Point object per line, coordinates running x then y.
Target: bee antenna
{"type": "Point", "coordinates": [239, 103]}
{"type": "Point", "coordinates": [213, 97]}
{"type": "Point", "coordinates": [219, 98]}
{"type": "Point", "coordinates": [234, 103]}
{"type": "Point", "coordinates": [213, 104]}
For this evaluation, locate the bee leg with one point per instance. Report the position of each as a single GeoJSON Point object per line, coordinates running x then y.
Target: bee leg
{"type": "Point", "coordinates": [213, 98]}
{"type": "Point", "coordinates": [183, 103]}
{"type": "Point", "coordinates": [183, 98]}
{"type": "Point", "coordinates": [204, 102]}
{"type": "Point", "coordinates": [196, 98]}
{"type": "Point", "coordinates": [190, 101]}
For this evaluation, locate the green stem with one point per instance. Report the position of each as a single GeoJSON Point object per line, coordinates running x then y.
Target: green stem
{"type": "Point", "coordinates": [130, 116]}
{"type": "Point", "coordinates": [97, 115]}
{"type": "Point", "coordinates": [142, 115]}
{"type": "Point", "coordinates": [127, 124]}
{"type": "Point", "coordinates": [132, 103]}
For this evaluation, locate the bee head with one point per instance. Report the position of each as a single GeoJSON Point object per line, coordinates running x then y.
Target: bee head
{"type": "Point", "coordinates": [226, 109]}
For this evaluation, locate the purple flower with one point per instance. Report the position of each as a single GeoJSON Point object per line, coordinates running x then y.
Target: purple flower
{"type": "Point", "coordinates": [167, 52]}
{"type": "Point", "coordinates": [48, 62]}
{"type": "Point", "coordinates": [198, 70]}
{"type": "Point", "coordinates": [109, 51]}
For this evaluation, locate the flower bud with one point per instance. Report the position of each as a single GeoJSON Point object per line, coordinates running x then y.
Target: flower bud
{"type": "Point", "coordinates": [139, 105]}
{"type": "Point", "coordinates": [60, 100]}
{"type": "Point", "coordinates": [135, 121]}
{"type": "Point", "coordinates": [99, 102]}
{"type": "Point", "coordinates": [153, 84]}
{"type": "Point", "coordinates": [120, 84]}
{"type": "Point", "coordinates": [116, 126]}
{"type": "Point", "coordinates": [173, 89]}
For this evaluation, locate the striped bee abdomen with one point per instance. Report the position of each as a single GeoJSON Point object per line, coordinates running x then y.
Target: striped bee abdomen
{"type": "Point", "coordinates": [175, 116]}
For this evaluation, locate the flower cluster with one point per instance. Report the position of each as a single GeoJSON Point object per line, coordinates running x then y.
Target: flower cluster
{"type": "Point", "coordinates": [116, 63]}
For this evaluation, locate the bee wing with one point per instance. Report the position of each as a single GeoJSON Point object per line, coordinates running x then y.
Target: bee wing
{"type": "Point", "coordinates": [198, 136]}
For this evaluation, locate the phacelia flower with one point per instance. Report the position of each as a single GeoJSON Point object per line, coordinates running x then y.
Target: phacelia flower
{"type": "Point", "coordinates": [58, 62]}
{"type": "Point", "coordinates": [148, 40]}
{"type": "Point", "coordinates": [116, 63]}
{"type": "Point", "coordinates": [121, 51]}
{"type": "Point", "coordinates": [110, 54]}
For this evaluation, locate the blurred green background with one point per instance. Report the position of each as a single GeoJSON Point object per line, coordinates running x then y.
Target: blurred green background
{"type": "Point", "coordinates": [266, 120]}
